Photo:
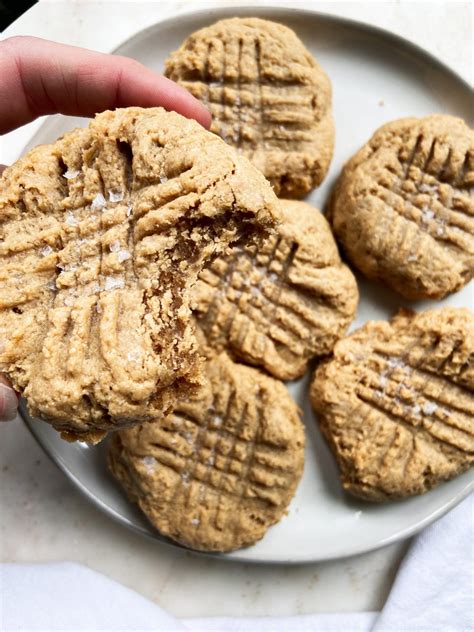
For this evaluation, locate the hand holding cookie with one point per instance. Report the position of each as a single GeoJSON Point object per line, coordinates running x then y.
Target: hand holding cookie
{"type": "Point", "coordinates": [43, 77]}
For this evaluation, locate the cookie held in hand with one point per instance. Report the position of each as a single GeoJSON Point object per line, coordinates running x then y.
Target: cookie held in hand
{"type": "Point", "coordinates": [219, 471]}
{"type": "Point", "coordinates": [268, 97]}
{"type": "Point", "coordinates": [403, 208]}
{"type": "Point", "coordinates": [102, 234]}
{"type": "Point", "coordinates": [396, 403]}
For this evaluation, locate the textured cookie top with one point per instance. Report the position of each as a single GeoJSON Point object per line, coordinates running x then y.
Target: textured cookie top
{"type": "Point", "coordinates": [223, 467]}
{"type": "Point", "coordinates": [283, 302]}
{"type": "Point", "coordinates": [404, 206]}
{"type": "Point", "coordinates": [267, 95]}
{"type": "Point", "coordinates": [102, 234]}
{"type": "Point", "coordinates": [396, 403]}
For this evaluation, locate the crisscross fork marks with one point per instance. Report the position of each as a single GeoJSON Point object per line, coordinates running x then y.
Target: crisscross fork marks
{"type": "Point", "coordinates": [413, 416]}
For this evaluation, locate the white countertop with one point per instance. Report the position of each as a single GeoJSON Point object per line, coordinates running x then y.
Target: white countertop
{"type": "Point", "coordinates": [43, 518]}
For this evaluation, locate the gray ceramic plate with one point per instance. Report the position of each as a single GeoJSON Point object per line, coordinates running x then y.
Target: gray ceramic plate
{"type": "Point", "coordinates": [376, 77]}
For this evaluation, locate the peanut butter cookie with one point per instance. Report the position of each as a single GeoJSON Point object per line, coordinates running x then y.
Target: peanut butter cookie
{"type": "Point", "coordinates": [267, 95]}
{"type": "Point", "coordinates": [102, 234]}
{"type": "Point", "coordinates": [219, 471]}
{"type": "Point", "coordinates": [403, 208]}
{"type": "Point", "coordinates": [396, 403]}
{"type": "Point", "coordinates": [283, 302]}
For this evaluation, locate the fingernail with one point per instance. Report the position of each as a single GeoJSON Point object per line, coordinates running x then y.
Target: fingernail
{"type": "Point", "coordinates": [8, 403]}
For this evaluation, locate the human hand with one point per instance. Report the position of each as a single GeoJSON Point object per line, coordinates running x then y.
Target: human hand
{"type": "Point", "coordinates": [39, 77]}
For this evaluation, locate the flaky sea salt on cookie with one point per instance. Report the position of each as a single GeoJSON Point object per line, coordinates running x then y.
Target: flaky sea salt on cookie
{"type": "Point", "coordinates": [396, 403]}
{"type": "Point", "coordinates": [283, 302]}
{"type": "Point", "coordinates": [219, 471]}
{"type": "Point", "coordinates": [102, 234]}
{"type": "Point", "coordinates": [268, 98]}
{"type": "Point", "coordinates": [403, 208]}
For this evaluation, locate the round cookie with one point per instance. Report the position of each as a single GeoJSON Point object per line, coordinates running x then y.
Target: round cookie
{"type": "Point", "coordinates": [403, 208]}
{"type": "Point", "coordinates": [278, 304]}
{"type": "Point", "coordinates": [219, 471]}
{"type": "Point", "coordinates": [396, 403]}
{"type": "Point", "coordinates": [102, 234]}
{"type": "Point", "coordinates": [267, 95]}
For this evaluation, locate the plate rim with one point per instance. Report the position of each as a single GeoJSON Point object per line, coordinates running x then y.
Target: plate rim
{"type": "Point", "coordinates": [278, 11]}
{"type": "Point", "coordinates": [158, 538]}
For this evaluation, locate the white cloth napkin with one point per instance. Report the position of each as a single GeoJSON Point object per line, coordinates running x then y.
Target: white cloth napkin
{"type": "Point", "coordinates": [433, 592]}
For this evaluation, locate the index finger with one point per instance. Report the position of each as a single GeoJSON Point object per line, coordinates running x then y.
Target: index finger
{"type": "Point", "coordinates": [40, 77]}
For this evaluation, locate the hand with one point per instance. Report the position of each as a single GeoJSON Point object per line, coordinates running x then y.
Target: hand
{"type": "Point", "coordinates": [38, 77]}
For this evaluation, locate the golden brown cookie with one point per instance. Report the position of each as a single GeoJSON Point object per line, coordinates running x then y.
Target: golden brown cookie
{"type": "Point", "coordinates": [278, 304]}
{"type": "Point", "coordinates": [396, 403]}
{"type": "Point", "coordinates": [403, 208]}
{"type": "Point", "coordinates": [267, 95]}
{"type": "Point", "coordinates": [102, 234]}
{"type": "Point", "coordinates": [219, 471]}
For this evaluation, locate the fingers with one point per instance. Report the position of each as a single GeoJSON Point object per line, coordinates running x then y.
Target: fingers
{"type": "Point", "coordinates": [8, 401]}
{"type": "Point", "coordinates": [41, 77]}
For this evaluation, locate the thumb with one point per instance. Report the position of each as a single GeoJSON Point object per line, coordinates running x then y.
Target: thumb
{"type": "Point", "coordinates": [8, 401]}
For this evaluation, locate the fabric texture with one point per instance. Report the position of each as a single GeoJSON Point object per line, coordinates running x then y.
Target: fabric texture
{"type": "Point", "coordinates": [433, 591]}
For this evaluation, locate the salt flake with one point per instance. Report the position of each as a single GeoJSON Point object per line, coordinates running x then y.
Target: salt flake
{"type": "Point", "coordinates": [98, 202]}
{"type": "Point", "coordinates": [150, 463]}
{"type": "Point", "coordinates": [115, 195]}
{"type": "Point", "coordinates": [195, 521]}
{"type": "Point", "coordinates": [427, 214]}
{"type": "Point", "coordinates": [114, 246]}
{"type": "Point", "coordinates": [429, 408]}
{"type": "Point", "coordinates": [112, 283]}
{"type": "Point", "coordinates": [133, 356]}
{"type": "Point", "coordinates": [47, 250]}
{"type": "Point", "coordinates": [123, 255]}
{"type": "Point", "coordinates": [71, 219]}
{"type": "Point", "coordinates": [70, 174]}
{"type": "Point", "coordinates": [428, 188]}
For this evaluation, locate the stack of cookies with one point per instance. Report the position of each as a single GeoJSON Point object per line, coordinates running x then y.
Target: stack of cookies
{"type": "Point", "coordinates": [154, 285]}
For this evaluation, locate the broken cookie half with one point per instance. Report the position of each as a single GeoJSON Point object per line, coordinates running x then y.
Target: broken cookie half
{"type": "Point", "coordinates": [103, 234]}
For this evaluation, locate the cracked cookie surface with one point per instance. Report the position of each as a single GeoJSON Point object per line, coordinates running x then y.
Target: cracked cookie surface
{"type": "Point", "coordinates": [403, 208]}
{"type": "Point", "coordinates": [278, 304]}
{"type": "Point", "coordinates": [220, 470]}
{"type": "Point", "coordinates": [267, 95]}
{"type": "Point", "coordinates": [396, 403]}
{"type": "Point", "coordinates": [102, 234]}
